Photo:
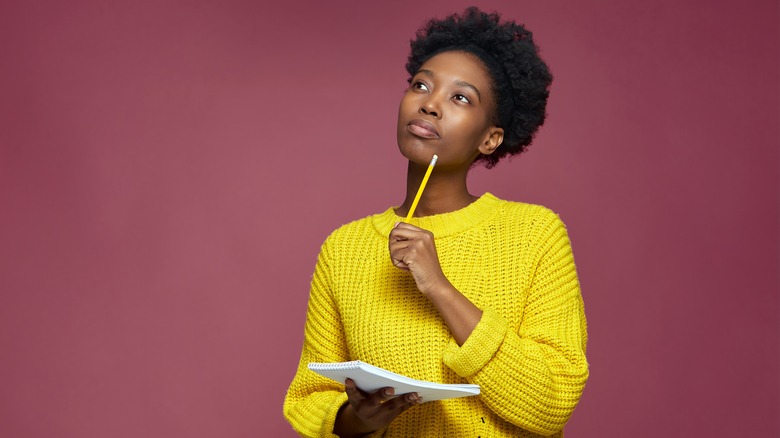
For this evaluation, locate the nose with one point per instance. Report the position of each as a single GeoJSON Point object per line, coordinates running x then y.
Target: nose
{"type": "Point", "coordinates": [431, 107]}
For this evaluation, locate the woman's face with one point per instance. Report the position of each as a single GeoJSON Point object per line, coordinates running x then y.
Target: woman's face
{"type": "Point", "coordinates": [447, 111]}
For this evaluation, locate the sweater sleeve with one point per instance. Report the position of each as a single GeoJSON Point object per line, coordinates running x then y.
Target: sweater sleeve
{"type": "Point", "coordinates": [533, 376]}
{"type": "Point", "coordinates": [313, 401]}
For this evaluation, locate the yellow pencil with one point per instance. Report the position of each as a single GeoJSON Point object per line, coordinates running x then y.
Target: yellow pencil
{"type": "Point", "coordinates": [422, 187]}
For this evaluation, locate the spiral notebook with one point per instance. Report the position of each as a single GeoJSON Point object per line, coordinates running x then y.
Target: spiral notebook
{"type": "Point", "coordinates": [370, 378]}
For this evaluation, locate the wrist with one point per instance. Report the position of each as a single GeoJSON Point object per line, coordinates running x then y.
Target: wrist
{"type": "Point", "coordinates": [348, 424]}
{"type": "Point", "coordinates": [439, 290]}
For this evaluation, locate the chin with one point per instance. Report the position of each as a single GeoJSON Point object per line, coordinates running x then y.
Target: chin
{"type": "Point", "coordinates": [415, 150]}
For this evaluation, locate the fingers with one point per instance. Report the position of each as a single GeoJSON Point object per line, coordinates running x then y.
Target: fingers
{"type": "Point", "coordinates": [384, 394]}
{"type": "Point", "coordinates": [387, 405]}
{"type": "Point", "coordinates": [354, 395]}
{"type": "Point", "coordinates": [398, 250]}
{"type": "Point", "coordinates": [351, 389]}
{"type": "Point", "coordinates": [406, 226]}
{"type": "Point", "coordinates": [377, 410]}
{"type": "Point", "coordinates": [413, 249]}
{"type": "Point", "coordinates": [406, 241]}
{"type": "Point", "coordinates": [406, 252]}
{"type": "Point", "coordinates": [404, 231]}
{"type": "Point", "coordinates": [381, 396]}
{"type": "Point", "coordinates": [397, 255]}
{"type": "Point", "coordinates": [402, 402]}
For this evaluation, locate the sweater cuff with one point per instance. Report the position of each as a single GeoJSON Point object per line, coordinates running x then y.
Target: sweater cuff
{"type": "Point", "coordinates": [483, 343]}
{"type": "Point", "coordinates": [330, 416]}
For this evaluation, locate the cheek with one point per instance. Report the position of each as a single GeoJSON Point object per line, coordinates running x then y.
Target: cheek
{"type": "Point", "coordinates": [407, 104]}
{"type": "Point", "coordinates": [402, 108]}
{"type": "Point", "coordinates": [469, 128]}
{"type": "Point", "coordinates": [403, 116]}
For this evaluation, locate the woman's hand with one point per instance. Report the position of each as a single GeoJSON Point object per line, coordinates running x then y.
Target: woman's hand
{"type": "Point", "coordinates": [413, 249]}
{"type": "Point", "coordinates": [366, 412]}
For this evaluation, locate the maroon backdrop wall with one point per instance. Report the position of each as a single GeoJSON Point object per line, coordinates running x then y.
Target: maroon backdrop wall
{"type": "Point", "coordinates": [169, 169]}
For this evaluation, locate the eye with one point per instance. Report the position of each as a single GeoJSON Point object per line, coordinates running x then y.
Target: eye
{"type": "Point", "coordinates": [461, 98]}
{"type": "Point", "coordinates": [419, 86]}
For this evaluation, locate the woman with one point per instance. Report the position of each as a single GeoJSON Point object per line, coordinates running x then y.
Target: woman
{"type": "Point", "coordinates": [472, 289]}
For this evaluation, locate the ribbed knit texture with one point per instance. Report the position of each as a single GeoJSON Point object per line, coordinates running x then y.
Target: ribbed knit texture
{"type": "Point", "coordinates": [513, 261]}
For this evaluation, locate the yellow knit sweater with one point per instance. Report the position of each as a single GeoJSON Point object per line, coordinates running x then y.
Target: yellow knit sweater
{"type": "Point", "coordinates": [527, 353]}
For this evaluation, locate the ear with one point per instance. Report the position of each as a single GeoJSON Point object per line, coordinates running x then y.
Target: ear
{"type": "Point", "coordinates": [493, 139]}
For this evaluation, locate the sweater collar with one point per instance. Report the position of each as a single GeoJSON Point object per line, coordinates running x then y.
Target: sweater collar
{"type": "Point", "coordinates": [445, 224]}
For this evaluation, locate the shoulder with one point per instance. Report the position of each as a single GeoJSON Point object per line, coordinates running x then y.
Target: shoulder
{"type": "Point", "coordinates": [352, 230]}
{"type": "Point", "coordinates": [533, 227]}
{"type": "Point", "coordinates": [355, 234]}
{"type": "Point", "coordinates": [350, 242]}
{"type": "Point", "coordinates": [529, 225]}
{"type": "Point", "coordinates": [532, 215]}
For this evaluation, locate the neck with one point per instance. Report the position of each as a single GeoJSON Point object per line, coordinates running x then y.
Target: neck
{"type": "Point", "coordinates": [445, 192]}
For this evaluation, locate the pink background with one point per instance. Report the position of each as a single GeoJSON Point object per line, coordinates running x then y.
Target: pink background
{"type": "Point", "coordinates": [168, 171]}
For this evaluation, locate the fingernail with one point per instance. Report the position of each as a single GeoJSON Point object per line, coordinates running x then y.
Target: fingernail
{"type": "Point", "coordinates": [389, 391]}
{"type": "Point", "coordinates": [396, 224]}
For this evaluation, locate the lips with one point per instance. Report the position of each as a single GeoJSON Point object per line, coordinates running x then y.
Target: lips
{"type": "Point", "coordinates": [422, 128]}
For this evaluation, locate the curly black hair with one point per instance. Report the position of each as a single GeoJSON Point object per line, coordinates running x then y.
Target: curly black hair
{"type": "Point", "coordinates": [521, 79]}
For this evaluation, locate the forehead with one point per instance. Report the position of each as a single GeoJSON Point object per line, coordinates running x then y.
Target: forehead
{"type": "Point", "coordinates": [459, 66]}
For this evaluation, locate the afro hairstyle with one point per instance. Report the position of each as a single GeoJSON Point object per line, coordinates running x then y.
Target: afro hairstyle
{"type": "Point", "coordinates": [521, 79]}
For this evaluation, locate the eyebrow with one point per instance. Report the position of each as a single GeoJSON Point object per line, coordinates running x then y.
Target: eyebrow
{"type": "Point", "coordinates": [459, 83]}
